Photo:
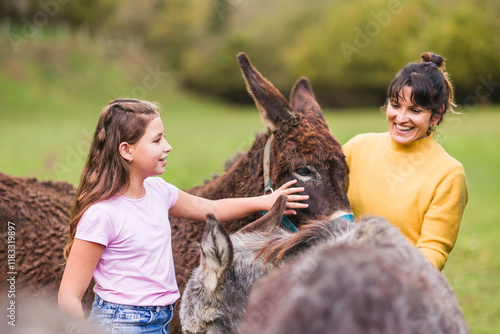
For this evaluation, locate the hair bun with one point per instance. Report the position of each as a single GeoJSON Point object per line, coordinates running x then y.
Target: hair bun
{"type": "Point", "coordinates": [433, 58]}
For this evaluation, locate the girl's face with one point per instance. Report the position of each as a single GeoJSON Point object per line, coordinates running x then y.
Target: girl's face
{"type": "Point", "coordinates": [408, 122]}
{"type": "Point", "coordinates": [150, 152]}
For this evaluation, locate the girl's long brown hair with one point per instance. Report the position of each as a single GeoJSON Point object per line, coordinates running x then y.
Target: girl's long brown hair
{"type": "Point", "coordinates": [106, 172]}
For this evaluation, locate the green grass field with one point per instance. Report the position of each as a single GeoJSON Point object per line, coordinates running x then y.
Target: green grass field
{"type": "Point", "coordinates": [48, 111]}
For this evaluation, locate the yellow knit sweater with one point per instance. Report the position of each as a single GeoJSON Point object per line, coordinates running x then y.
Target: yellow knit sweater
{"type": "Point", "coordinates": [418, 187]}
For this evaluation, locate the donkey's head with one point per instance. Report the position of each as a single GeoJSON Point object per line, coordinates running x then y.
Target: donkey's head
{"type": "Point", "coordinates": [215, 296]}
{"type": "Point", "coordinates": [303, 147]}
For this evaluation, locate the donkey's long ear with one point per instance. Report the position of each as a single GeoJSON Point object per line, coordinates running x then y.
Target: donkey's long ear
{"type": "Point", "coordinates": [216, 254]}
{"type": "Point", "coordinates": [303, 100]}
{"type": "Point", "coordinates": [270, 220]}
{"type": "Point", "coordinates": [273, 106]}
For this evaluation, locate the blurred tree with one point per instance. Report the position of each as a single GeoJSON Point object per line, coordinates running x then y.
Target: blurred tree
{"type": "Point", "coordinates": [176, 26]}
{"type": "Point", "coordinates": [51, 12]}
{"type": "Point", "coordinates": [469, 39]}
{"type": "Point", "coordinates": [350, 50]}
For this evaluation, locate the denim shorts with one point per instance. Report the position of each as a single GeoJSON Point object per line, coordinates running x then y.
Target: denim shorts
{"type": "Point", "coordinates": [116, 318]}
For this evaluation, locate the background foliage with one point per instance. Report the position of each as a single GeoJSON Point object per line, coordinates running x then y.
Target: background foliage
{"type": "Point", "coordinates": [349, 49]}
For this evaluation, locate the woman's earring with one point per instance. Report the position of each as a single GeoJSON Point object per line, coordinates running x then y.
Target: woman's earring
{"type": "Point", "coordinates": [131, 158]}
{"type": "Point", "coordinates": [433, 127]}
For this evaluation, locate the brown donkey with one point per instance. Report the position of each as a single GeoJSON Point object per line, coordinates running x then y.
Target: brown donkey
{"type": "Point", "coordinates": [301, 147]}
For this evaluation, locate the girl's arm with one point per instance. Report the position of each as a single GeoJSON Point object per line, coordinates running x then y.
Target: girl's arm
{"type": "Point", "coordinates": [196, 208]}
{"type": "Point", "coordinates": [79, 269]}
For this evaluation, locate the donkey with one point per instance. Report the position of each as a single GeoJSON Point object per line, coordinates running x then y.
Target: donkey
{"type": "Point", "coordinates": [34, 215]}
{"type": "Point", "coordinates": [215, 295]}
{"type": "Point", "coordinates": [34, 218]}
{"type": "Point", "coordinates": [371, 280]}
{"type": "Point", "coordinates": [335, 277]}
{"type": "Point", "coordinates": [297, 145]}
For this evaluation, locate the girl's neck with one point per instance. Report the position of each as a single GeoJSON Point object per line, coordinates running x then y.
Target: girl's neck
{"type": "Point", "coordinates": [135, 189]}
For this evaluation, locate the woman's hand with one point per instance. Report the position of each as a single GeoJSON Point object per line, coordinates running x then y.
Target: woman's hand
{"type": "Point", "coordinates": [293, 200]}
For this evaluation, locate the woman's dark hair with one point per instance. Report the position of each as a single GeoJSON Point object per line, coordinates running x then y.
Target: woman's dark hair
{"type": "Point", "coordinates": [430, 86]}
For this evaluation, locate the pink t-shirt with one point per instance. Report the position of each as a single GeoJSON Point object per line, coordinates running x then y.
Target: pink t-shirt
{"type": "Point", "coordinates": [137, 266]}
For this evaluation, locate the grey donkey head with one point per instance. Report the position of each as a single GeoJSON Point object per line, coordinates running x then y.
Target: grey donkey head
{"type": "Point", "coordinates": [215, 296]}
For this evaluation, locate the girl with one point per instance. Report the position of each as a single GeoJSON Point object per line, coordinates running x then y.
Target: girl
{"type": "Point", "coordinates": [119, 230]}
{"type": "Point", "coordinates": [404, 175]}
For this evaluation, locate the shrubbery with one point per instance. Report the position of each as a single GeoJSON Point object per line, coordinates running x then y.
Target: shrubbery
{"type": "Point", "coordinates": [350, 50]}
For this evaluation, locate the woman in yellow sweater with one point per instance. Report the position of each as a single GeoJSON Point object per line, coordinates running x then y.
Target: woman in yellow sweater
{"type": "Point", "coordinates": [403, 174]}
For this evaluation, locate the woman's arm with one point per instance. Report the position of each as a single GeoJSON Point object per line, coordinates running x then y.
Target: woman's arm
{"type": "Point", "coordinates": [80, 267]}
{"type": "Point", "coordinates": [196, 208]}
{"type": "Point", "coordinates": [442, 220]}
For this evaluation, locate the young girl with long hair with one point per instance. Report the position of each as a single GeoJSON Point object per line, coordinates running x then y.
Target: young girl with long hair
{"type": "Point", "coordinates": [403, 174]}
{"type": "Point", "coordinates": [119, 229]}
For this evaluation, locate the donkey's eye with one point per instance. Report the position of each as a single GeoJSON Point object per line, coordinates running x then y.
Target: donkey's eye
{"type": "Point", "coordinates": [304, 171]}
{"type": "Point", "coordinates": [306, 174]}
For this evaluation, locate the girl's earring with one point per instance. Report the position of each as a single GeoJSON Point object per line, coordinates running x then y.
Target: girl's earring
{"type": "Point", "coordinates": [131, 159]}
{"type": "Point", "coordinates": [433, 127]}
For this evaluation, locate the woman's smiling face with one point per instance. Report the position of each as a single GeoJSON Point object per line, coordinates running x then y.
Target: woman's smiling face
{"type": "Point", "coordinates": [408, 122]}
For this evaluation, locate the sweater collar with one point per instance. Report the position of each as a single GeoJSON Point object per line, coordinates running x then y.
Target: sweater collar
{"type": "Point", "coordinates": [418, 146]}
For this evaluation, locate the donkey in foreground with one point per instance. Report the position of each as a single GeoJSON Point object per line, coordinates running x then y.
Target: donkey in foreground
{"type": "Point", "coordinates": [335, 277]}
{"type": "Point", "coordinates": [369, 281]}
{"type": "Point", "coordinates": [214, 298]}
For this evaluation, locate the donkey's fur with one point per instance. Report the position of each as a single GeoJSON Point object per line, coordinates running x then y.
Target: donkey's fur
{"type": "Point", "coordinates": [348, 278]}
{"type": "Point", "coordinates": [303, 149]}
{"type": "Point", "coordinates": [373, 281]}
{"type": "Point", "coordinates": [36, 214]}
{"type": "Point", "coordinates": [217, 291]}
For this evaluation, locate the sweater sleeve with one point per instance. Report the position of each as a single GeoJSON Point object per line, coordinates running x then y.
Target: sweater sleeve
{"type": "Point", "coordinates": [442, 219]}
{"type": "Point", "coordinates": [347, 149]}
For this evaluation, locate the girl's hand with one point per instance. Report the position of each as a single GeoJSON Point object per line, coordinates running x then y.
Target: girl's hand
{"type": "Point", "coordinates": [293, 201]}
{"type": "Point", "coordinates": [196, 208]}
